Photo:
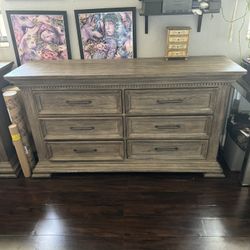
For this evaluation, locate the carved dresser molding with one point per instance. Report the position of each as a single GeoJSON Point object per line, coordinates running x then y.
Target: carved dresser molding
{"type": "Point", "coordinates": [138, 115]}
{"type": "Point", "coordinates": [9, 165]}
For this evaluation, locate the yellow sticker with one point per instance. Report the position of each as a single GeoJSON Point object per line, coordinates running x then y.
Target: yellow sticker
{"type": "Point", "coordinates": [16, 137]}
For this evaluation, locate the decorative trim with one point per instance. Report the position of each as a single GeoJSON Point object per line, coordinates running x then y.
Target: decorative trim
{"type": "Point", "coordinates": [47, 168]}
{"type": "Point", "coordinates": [75, 85]}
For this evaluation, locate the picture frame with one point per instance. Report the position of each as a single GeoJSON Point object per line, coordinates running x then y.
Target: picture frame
{"type": "Point", "coordinates": [39, 35]}
{"type": "Point", "coordinates": [107, 33]}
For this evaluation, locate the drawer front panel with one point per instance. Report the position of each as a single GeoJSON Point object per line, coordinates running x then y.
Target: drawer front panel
{"type": "Point", "coordinates": [179, 32]}
{"type": "Point", "coordinates": [182, 101]}
{"type": "Point", "coordinates": [177, 53]}
{"type": "Point", "coordinates": [182, 46]}
{"type": "Point", "coordinates": [169, 127]}
{"type": "Point", "coordinates": [86, 151]}
{"type": "Point", "coordinates": [82, 129]}
{"type": "Point", "coordinates": [178, 39]}
{"type": "Point", "coordinates": [79, 102]}
{"type": "Point", "coordinates": [167, 150]}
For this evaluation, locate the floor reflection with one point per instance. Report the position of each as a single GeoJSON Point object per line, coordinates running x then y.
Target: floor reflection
{"type": "Point", "coordinates": [51, 224]}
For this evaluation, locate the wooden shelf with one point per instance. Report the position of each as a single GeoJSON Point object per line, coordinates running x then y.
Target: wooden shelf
{"type": "Point", "coordinates": [199, 24]}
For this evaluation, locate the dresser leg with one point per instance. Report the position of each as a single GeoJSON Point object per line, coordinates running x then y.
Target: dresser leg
{"type": "Point", "coordinates": [10, 169]}
{"type": "Point", "coordinates": [214, 175]}
{"type": "Point", "coordinates": [41, 175]}
{"type": "Point", "coordinates": [8, 176]}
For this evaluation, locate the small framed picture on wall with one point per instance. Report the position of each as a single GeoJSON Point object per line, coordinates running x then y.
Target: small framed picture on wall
{"type": "Point", "coordinates": [107, 33]}
{"type": "Point", "coordinates": [39, 35]}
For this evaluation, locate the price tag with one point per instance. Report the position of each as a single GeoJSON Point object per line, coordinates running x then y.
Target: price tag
{"type": "Point", "coordinates": [16, 137]}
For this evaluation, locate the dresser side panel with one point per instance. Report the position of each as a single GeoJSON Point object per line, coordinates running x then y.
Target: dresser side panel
{"type": "Point", "coordinates": [218, 120]}
{"type": "Point", "coordinates": [32, 114]}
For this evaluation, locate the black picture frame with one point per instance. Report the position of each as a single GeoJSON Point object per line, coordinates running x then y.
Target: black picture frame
{"type": "Point", "coordinates": [43, 40]}
{"type": "Point", "coordinates": [89, 42]}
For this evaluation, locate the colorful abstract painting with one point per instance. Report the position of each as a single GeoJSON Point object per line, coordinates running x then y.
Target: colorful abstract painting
{"type": "Point", "coordinates": [107, 33]}
{"type": "Point", "coordinates": [39, 35]}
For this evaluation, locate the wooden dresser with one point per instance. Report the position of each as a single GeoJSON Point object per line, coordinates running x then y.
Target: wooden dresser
{"type": "Point", "coordinates": [9, 166]}
{"type": "Point", "coordinates": [135, 115]}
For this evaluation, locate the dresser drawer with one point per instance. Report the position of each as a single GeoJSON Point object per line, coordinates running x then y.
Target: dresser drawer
{"type": "Point", "coordinates": [177, 53]}
{"type": "Point", "coordinates": [85, 151]}
{"type": "Point", "coordinates": [179, 32]}
{"type": "Point", "coordinates": [181, 46]}
{"type": "Point", "coordinates": [178, 39]}
{"type": "Point", "coordinates": [167, 150]}
{"type": "Point", "coordinates": [171, 101]}
{"type": "Point", "coordinates": [178, 127]}
{"type": "Point", "coordinates": [82, 128]}
{"type": "Point", "coordinates": [78, 102]}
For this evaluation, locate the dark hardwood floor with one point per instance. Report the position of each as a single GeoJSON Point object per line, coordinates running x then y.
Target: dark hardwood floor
{"type": "Point", "coordinates": [124, 211]}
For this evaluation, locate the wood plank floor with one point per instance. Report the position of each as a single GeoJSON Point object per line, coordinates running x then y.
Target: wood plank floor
{"type": "Point", "coordinates": [124, 211]}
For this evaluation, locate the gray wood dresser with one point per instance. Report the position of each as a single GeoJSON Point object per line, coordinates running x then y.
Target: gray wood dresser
{"type": "Point", "coordinates": [9, 165]}
{"type": "Point", "coordinates": [138, 115]}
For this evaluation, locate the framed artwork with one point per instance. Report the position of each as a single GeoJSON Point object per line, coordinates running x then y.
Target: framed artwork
{"type": "Point", "coordinates": [39, 35]}
{"type": "Point", "coordinates": [106, 33]}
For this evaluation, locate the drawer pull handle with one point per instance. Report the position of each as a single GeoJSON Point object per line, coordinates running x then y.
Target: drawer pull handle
{"type": "Point", "coordinates": [79, 102]}
{"type": "Point", "coordinates": [168, 127]}
{"type": "Point", "coordinates": [83, 151]}
{"type": "Point", "coordinates": [166, 149]}
{"type": "Point", "coordinates": [82, 128]}
{"type": "Point", "coordinates": [169, 101]}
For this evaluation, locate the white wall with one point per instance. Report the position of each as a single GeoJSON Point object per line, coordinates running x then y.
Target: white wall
{"type": "Point", "coordinates": [213, 40]}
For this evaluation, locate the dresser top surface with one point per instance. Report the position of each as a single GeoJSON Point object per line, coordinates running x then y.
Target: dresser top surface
{"type": "Point", "coordinates": [129, 68]}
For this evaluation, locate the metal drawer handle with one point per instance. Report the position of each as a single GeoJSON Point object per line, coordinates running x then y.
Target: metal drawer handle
{"type": "Point", "coordinates": [82, 128]}
{"type": "Point", "coordinates": [167, 126]}
{"type": "Point", "coordinates": [85, 151]}
{"type": "Point", "coordinates": [166, 149]}
{"type": "Point", "coordinates": [170, 101]}
{"type": "Point", "coordinates": [84, 102]}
